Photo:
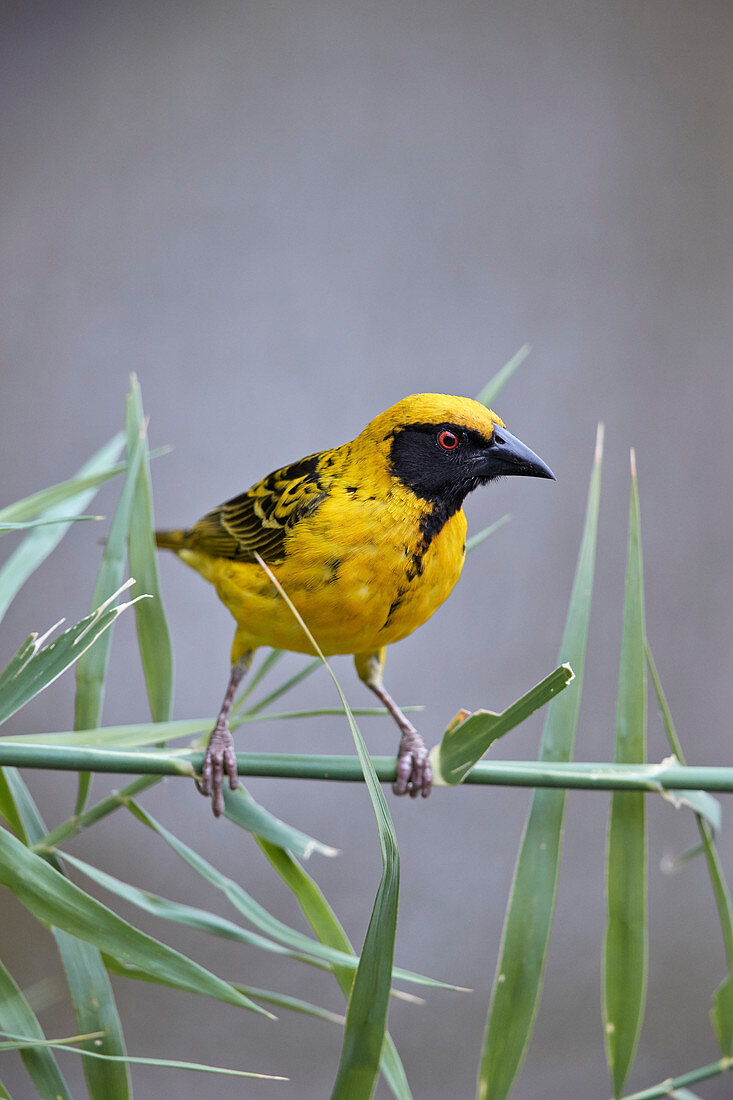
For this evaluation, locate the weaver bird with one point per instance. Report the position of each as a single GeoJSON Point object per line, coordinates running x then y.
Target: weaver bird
{"type": "Point", "coordinates": [366, 539]}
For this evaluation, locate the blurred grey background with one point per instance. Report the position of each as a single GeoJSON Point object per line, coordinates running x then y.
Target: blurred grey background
{"type": "Point", "coordinates": [285, 216]}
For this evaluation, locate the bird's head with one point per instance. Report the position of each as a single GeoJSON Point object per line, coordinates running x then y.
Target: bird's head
{"type": "Point", "coordinates": [442, 447]}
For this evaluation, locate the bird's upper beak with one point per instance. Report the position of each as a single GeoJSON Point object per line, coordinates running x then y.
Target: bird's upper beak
{"type": "Point", "coordinates": [508, 456]}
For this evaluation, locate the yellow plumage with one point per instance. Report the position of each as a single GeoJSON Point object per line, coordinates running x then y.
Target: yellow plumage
{"type": "Point", "coordinates": [367, 539]}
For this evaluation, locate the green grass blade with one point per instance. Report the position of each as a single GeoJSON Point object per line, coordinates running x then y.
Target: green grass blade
{"type": "Point", "coordinates": [366, 1014]}
{"type": "Point", "coordinates": [243, 902]}
{"type": "Point", "coordinates": [676, 1086]}
{"type": "Point", "coordinates": [32, 824]}
{"type": "Point", "coordinates": [96, 1011]}
{"type": "Point", "coordinates": [329, 931]}
{"type": "Point", "coordinates": [526, 934]}
{"type": "Point", "coordinates": [481, 536]}
{"type": "Point", "coordinates": [188, 915]}
{"type": "Point", "coordinates": [152, 629]}
{"type": "Point", "coordinates": [53, 899]}
{"type": "Point", "coordinates": [6, 527]}
{"type": "Point", "coordinates": [721, 1014]}
{"type": "Point", "coordinates": [277, 1000]}
{"type": "Point", "coordinates": [151, 733]}
{"type": "Point", "coordinates": [89, 985]}
{"type": "Point", "coordinates": [500, 379]}
{"type": "Point", "coordinates": [137, 735]}
{"type": "Point", "coordinates": [241, 808]}
{"type": "Point", "coordinates": [33, 506]}
{"type": "Point", "coordinates": [625, 957]}
{"type": "Point", "coordinates": [8, 808]}
{"type": "Point", "coordinates": [39, 543]}
{"type": "Point", "coordinates": [715, 869]}
{"type": "Point", "coordinates": [91, 669]}
{"type": "Point", "coordinates": [35, 666]}
{"type": "Point", "coordinates": [256, 913]}
{"type": "Point", "coordinates": [466, 741]}
{"type": "Point", "coordinates": [316, 909]}
{"type": "Point", "coordinates": [17, 1016]}
{"type": "Point", "coordinates": [19, 1042]}
{"type": "Point", "coordinates": [706, 808]}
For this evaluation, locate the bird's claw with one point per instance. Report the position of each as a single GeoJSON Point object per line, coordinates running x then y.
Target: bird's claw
{"type": "Point", "coordinates": [218, 758]}
{"type": "Point", "coordinates": [414, 773]}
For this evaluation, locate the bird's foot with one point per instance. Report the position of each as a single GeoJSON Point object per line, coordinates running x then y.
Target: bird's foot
{"type": "Point", "coordinates": [218, 758]}
{"type": "Point", "coordinates": [414, 774]}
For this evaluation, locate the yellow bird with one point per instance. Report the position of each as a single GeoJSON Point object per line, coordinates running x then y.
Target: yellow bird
{"type": "Point", "coordinates": [367, 540]}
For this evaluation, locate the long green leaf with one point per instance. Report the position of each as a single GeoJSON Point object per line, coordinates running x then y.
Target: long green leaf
{"type": "Point", "coordinates": [96, 1011]}
{"type": "Point", "coordinates": [625, 957]}
{"type": "Point", "coordinates": [39, 543]}
{"type": "Point", "coordinates": [256, 913]}
{"type": "Point", "coordinates": [721, 1013]}
{"type": "Point", "coordinates": [16, 1015]}
{"type": "Point", "coordinates": [7, 527]}
{"type": "Point", "coordinates": [676, 1086]}
{"type": "Point", "coordinates": [21, 1042]}
{"type": "Point", "coordinates": [91, 670]}
{"type": "Point", "coordinates": [152, 629]}
{"type": "Point", "coordinates": [35, 666]}
{"type": "Point", "coordinates": [481, 536]}
{"type": "Point", "coordinates": [8, 809]}
{"type": "Point", "coordinates": [92, 667]}
{"type": "Point", "coordinates": [466, 741]}
{"type": "Point", "coordinates": [329, 931]}
{"type": "Point", "coordinates": [277, 1000]}
{"type": "Point", "coordinates": [140, 734]}
{"type": "Point", "coordinates": [500, 379]}
{"type": "Point", "coordinates": [32, 825]}
{"type": "Point", "coordinates": [55, 900]}
{"type": "Point", "coordinates": [33, 506]}
{"type": "Point", "coordinates": [715, 868]}
{"type": "Point", "coordinates": [241, 808]}
{"type": "Point", "coordinates": [188, 915]}
{"type": "Point", "coordinates": [89, 985]}
{"type": "Point", "coordinates": [520, 968]}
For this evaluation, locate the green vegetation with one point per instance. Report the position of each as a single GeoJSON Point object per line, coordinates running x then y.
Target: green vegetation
{"type": "Point", "coordinates": [94, 942]}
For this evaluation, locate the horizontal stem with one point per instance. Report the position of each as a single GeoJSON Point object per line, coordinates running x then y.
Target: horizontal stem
{"type": "Point", "coordinates": [668, 1087]}
{"type": "Point", "coordinates": [511, 773]}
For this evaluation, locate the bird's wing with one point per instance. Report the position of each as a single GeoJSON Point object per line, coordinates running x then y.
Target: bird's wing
{"type": "Point", "coordinates": [260, 518]}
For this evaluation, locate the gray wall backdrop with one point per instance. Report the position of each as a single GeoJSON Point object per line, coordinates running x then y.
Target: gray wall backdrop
{"type": "Point", "coordinates": [285, 216]}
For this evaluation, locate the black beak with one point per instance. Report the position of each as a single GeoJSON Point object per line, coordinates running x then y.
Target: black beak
{"type": "Point", "coordinates": [508, 456]}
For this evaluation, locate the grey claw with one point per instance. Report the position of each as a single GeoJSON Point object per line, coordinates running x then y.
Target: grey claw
{"type": "Point", "coordinates": [414, 774]}
{"type": "Point", "coordinates": [402, 783]}
{"type": "Point", "coordinates": [219, 757]}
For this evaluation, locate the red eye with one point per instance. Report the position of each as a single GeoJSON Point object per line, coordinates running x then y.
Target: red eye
{"type": "Point", "coordinates": [448, 440]}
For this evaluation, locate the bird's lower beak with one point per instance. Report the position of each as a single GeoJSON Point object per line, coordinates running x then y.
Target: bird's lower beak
{"type": "Point", "coordinates": [508, 456]}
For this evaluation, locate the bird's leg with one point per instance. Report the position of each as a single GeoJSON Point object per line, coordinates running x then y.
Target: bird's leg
{"type": "Point", "coordinates": [219, 756]}
{"type": "Point", "coordinates": [414, 774]}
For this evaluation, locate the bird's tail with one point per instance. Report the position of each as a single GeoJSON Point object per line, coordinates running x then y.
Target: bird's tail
{"type": "Point", "coordinates": [172, 540]}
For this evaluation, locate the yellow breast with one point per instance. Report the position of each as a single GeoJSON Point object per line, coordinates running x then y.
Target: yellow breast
{"type": "Point", "coordinates": [360, 570]}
